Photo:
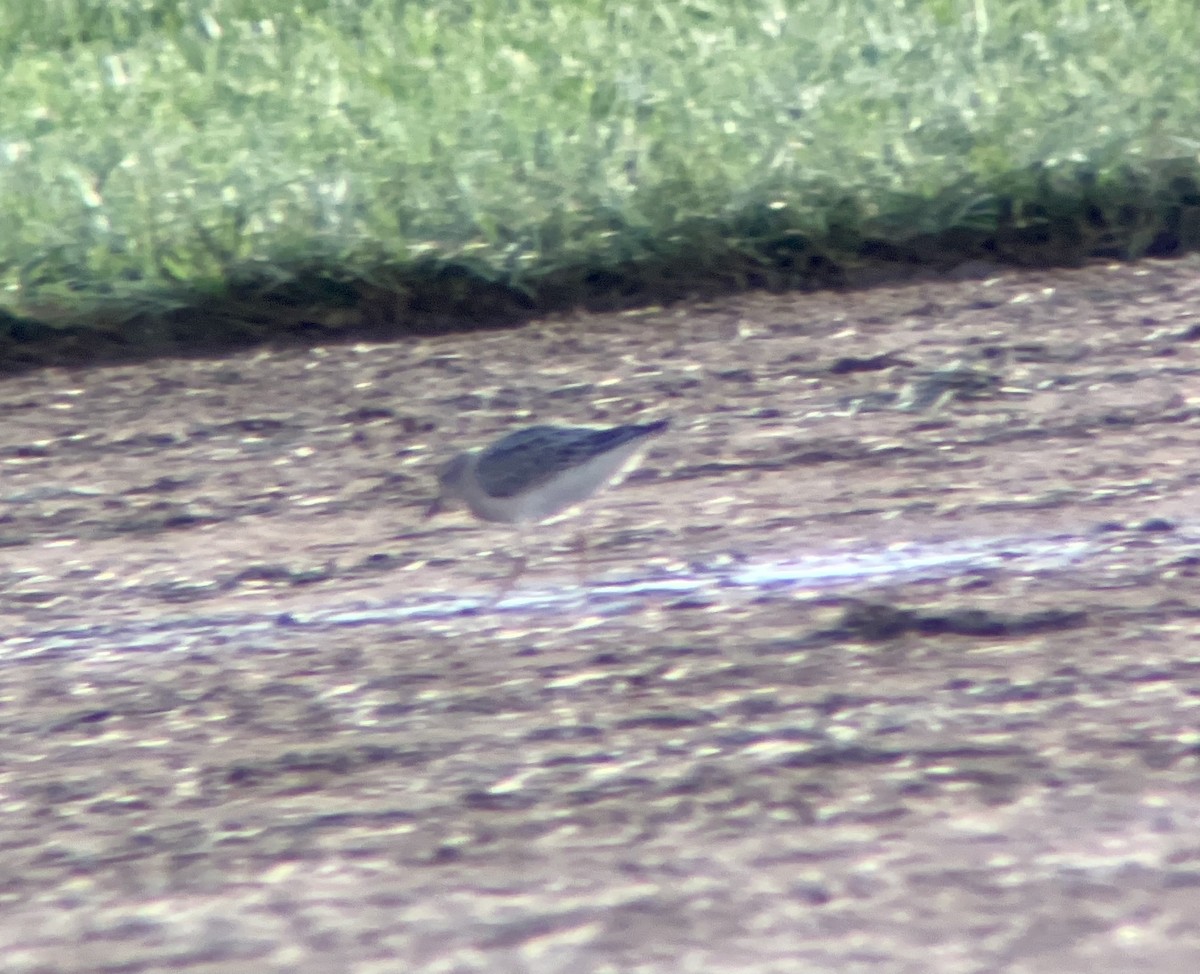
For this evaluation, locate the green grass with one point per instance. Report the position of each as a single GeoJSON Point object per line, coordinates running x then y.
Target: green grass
{"type": "Point", "coordinates": [155, 155]}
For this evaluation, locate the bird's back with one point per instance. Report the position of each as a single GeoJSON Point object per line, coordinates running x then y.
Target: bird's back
{"type": "Point", "coordinates": [533, 457]}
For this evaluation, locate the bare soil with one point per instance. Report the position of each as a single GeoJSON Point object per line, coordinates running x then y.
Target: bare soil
{"type": "Point", "coordinates": [992, 768]}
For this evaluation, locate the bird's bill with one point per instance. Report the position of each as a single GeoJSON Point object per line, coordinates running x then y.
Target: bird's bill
{"type": "Point", "coordinates": [435, 508]}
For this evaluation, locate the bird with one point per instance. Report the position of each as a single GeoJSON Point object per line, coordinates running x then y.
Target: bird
{"type": "Point", "coordinates": [541, 473]}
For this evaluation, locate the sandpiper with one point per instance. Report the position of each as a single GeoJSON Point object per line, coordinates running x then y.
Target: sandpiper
{"type": "Point", "coordinates": [537, 473]}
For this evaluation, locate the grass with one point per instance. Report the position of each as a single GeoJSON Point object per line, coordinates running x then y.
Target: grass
{"type": "Point", "coordinates": [158, 157]}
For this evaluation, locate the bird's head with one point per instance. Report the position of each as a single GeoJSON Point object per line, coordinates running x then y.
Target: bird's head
{"type": "Point", "coordinates": [451, 480]}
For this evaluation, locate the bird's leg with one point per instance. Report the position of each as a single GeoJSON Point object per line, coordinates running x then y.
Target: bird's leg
{"type": "Point", "coordinates": [582, 568]}
{"type": "Point", "coordinates": [582, 565]}
{"type": "Point", "coordinates": [509, 581]}
{"type": "Point", "coordinates": [579, 555]}
{"type": "Point", "coordinates": [519, 562]}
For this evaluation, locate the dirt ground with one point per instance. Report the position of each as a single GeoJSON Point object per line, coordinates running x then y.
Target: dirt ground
{"type": "Point", "coordinates": [211, 764]}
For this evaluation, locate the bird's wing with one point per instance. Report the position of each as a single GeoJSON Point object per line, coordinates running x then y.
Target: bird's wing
{"type": "Point", "coordinates": [531, 457]}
